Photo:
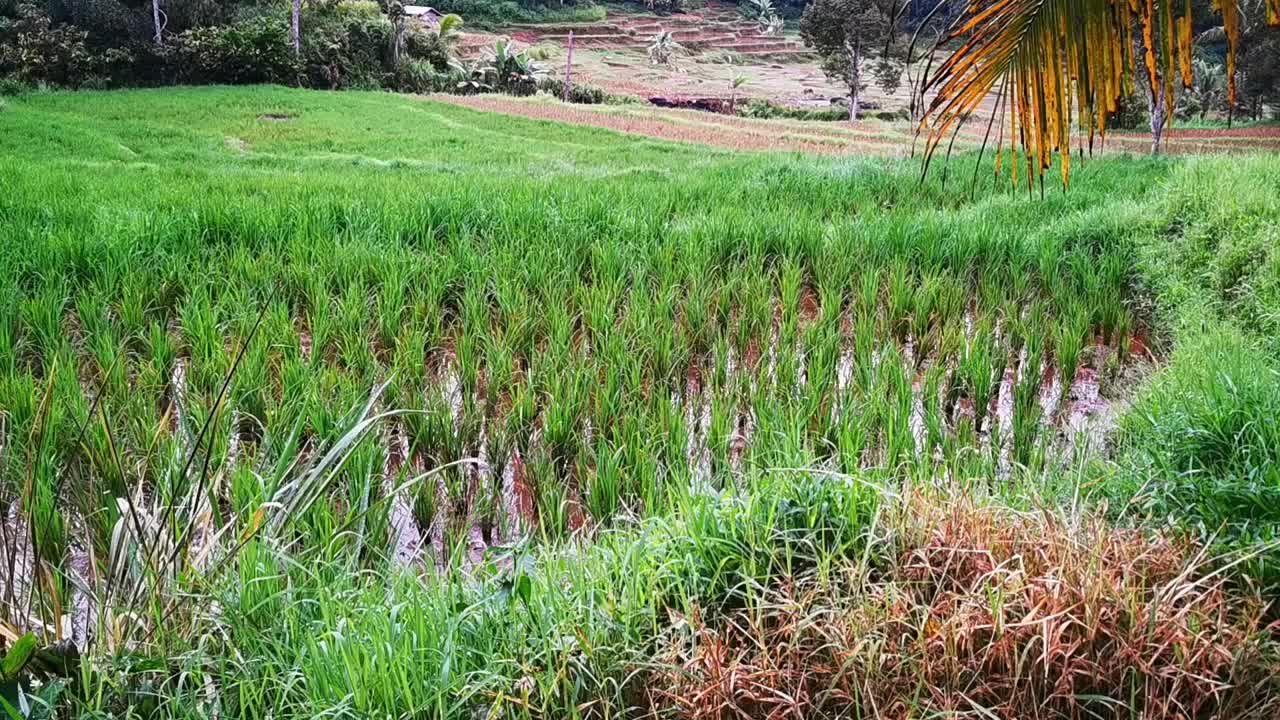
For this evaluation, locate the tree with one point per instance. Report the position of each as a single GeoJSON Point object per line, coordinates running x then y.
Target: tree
{"type": "Point", "coordinates": [1260, 77]}
{"type": "Point", "coordinates": [295, 27]}
{"type": "Point", "coordinates": [1259, 65]}
{"type": "Point", "coordinates": [768, 20]}
{"type": "Point", "coordinates": [158, 20]}
{"type": "Point", "coordinates": [663, 48]}
{"type": "Point", "coordinates": [1040, 66]}
{"type": "Point", "coordinates": [847, 34]}
{"type": "Point", "coordinates": [399, 24]}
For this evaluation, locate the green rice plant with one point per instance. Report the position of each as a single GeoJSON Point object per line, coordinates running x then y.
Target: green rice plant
{"type": "Point", "coordinates": [352, 349]}
{"type": "Point", "coordinates": [576, 314]}
{"type": "Point", "coordinates": [934, 420]}
{"type": "Point", "coordinates": [203, 340]}
{"type": "Point", "coordinates": [562, 428]}
{"type": "Point", "coordinates": [1069, 342]}
{"type": "Point", "coordinates": [392, 300]}
{"type": "Point", "coordinates": [360, 484]}
{"type": "Point", "coordinates": [321, 322]}
{"type": "Point", "coordinates": [251, 391]}
{"type": "Point", "coordinates": [865, 333]}
{"type": "Point", "coordinates": [952, 301]}
{"type": "Point", "coordinates": [42, 317]}
{"type": "Point", "coordinates": [604, 484]}
{"type": "Point", "coordinates": [1111, 313]}
{"type": "Point", "coordinates": [698, 318]}
{"type": "Point", "coordinates": [924, 319]}
{"type": "Point", "coordinates": [1027, 413]}
{"type": "Point", "coordinates": [867, 304]}
{"type": "Point", "coordinates": [899, 405]}
{"type": "Point", "coordinates": [720, 435]}
{"type": "Point", "coordinates": [900, 300]}
{"type": "Point", "coordinates": [161, 351]}
{"type": "Point", "coordinates": [981, 370]}
{"type": "Point", "coordinates": [550, 497]}
{"type": "Point", "coordinates": [138, 294]}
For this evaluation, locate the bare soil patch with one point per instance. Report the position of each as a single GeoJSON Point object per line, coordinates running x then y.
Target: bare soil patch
{"type": "Point", "coordinates": [705, 128]}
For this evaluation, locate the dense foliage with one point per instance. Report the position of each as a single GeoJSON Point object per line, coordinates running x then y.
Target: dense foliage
{"type": "Point", "coordinates": [96, 43]}
{"type": "Point", "coordinates": [854, 39]}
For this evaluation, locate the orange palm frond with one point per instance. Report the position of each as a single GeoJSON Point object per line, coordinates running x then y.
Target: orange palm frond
{"type": "Point", "coordinates": [1053, 65]}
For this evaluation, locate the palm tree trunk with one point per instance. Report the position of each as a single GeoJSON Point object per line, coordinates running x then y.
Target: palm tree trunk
{"type": "Point", "coordinates": [1158, 117]}
{"type": "Point", "coordinates": [855, 56]}
{"type": "Point", "coordinates": [155, 18]}
{"type": "Point", "coordinates": [296, 27]}
{"type": "Point", "coordinates": [568, 71]}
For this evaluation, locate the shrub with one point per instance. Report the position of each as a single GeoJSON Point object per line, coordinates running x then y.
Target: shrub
{"type": "Point", "coordinates": [12, 87]}
{"type": "Point", "coordinates": [419, 76]}
{"type": "Point", "coordinates": [1019, 615]}
{"type": "Point", "coordinates": [346, 47]}
{"type": "Point", "coordinates": [249, 51]}
{"type": "Point", "coordinates": [487, 12]}
{"type": "Point", "coordinates": [33, 50]}
{"type": "Point", "coordinates": [112, 23]}
{"type": "Point", "coordinates": [420, 44]}
{"type": "Point", "coordinates": [666, 6]}
{"type": "Point", "coordinates": [580, 94]}
{"type": "Point", "coordinates": [766, 110]}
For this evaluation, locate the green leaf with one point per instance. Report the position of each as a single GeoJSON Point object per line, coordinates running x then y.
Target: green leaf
{"type": "Point", "coordinates": [17, 658]}
{"type": "Point", "coordinates": [523, 588]}
{"type": "Point", "coordinates": [10, 700]}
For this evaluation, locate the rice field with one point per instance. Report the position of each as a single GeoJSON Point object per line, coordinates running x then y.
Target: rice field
{"type": "Point", "coordinates": [402, 338]}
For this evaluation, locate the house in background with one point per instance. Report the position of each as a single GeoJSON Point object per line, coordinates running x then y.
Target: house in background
{"type": "Point", "coordinates": [428, 16]}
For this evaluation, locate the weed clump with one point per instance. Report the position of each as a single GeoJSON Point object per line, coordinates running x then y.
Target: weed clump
{"type": "Point", "coordinates": [987, 611]}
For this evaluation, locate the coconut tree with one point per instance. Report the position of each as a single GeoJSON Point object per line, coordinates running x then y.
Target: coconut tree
{"type": "Point", "coordinates": [1031, 70]}
{"type": "Point", "coordinates": [159, 20]}
{"type": "Point", "coordinates": [295, 26]}
{"type": "Point", "coordinates": [449, 33]}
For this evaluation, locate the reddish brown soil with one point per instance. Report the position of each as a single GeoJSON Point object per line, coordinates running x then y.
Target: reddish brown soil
{"type": "Point", "coordinates": [701, 128]}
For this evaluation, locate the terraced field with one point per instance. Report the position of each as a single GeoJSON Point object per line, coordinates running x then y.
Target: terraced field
{"type": "Point", "coordinates": [444, 412]}
{"type": "Point", "coordinates": [712, 28]}
{"type": "Point", "coordinates": [550, 404]}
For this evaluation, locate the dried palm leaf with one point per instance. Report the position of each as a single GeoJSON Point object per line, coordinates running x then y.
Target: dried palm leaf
{"type": "Point", "coordinates": [1051, 66]}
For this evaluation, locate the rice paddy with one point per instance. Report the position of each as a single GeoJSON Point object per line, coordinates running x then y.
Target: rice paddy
{"type": "Point", "coordinates": [386, 343]}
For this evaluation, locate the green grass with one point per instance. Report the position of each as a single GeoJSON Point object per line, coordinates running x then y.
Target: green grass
{"type": "Point", "coordinates": [198, 300]}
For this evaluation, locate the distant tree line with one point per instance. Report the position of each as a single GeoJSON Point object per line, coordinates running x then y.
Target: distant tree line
{"type": "Point", "coordinates": [322, 43]}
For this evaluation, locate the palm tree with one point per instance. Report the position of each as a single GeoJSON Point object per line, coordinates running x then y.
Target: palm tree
{"type": "Point", "coordinates": [1029, 68]}
{"type": "Point", "coordinates": [449, 33]}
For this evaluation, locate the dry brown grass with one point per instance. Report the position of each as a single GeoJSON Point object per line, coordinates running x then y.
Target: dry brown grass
{"type": "Point", "coordinates": [986, 613]}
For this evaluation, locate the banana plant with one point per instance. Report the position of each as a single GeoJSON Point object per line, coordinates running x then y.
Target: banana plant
{"type": "Point", "coordinates": [663, 48]}
{"type": "Point", "coordinates": [513, 71]}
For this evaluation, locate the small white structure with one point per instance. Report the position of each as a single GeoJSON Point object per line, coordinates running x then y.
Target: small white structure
{"type": "Point", "coordinates": [428, 16]}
